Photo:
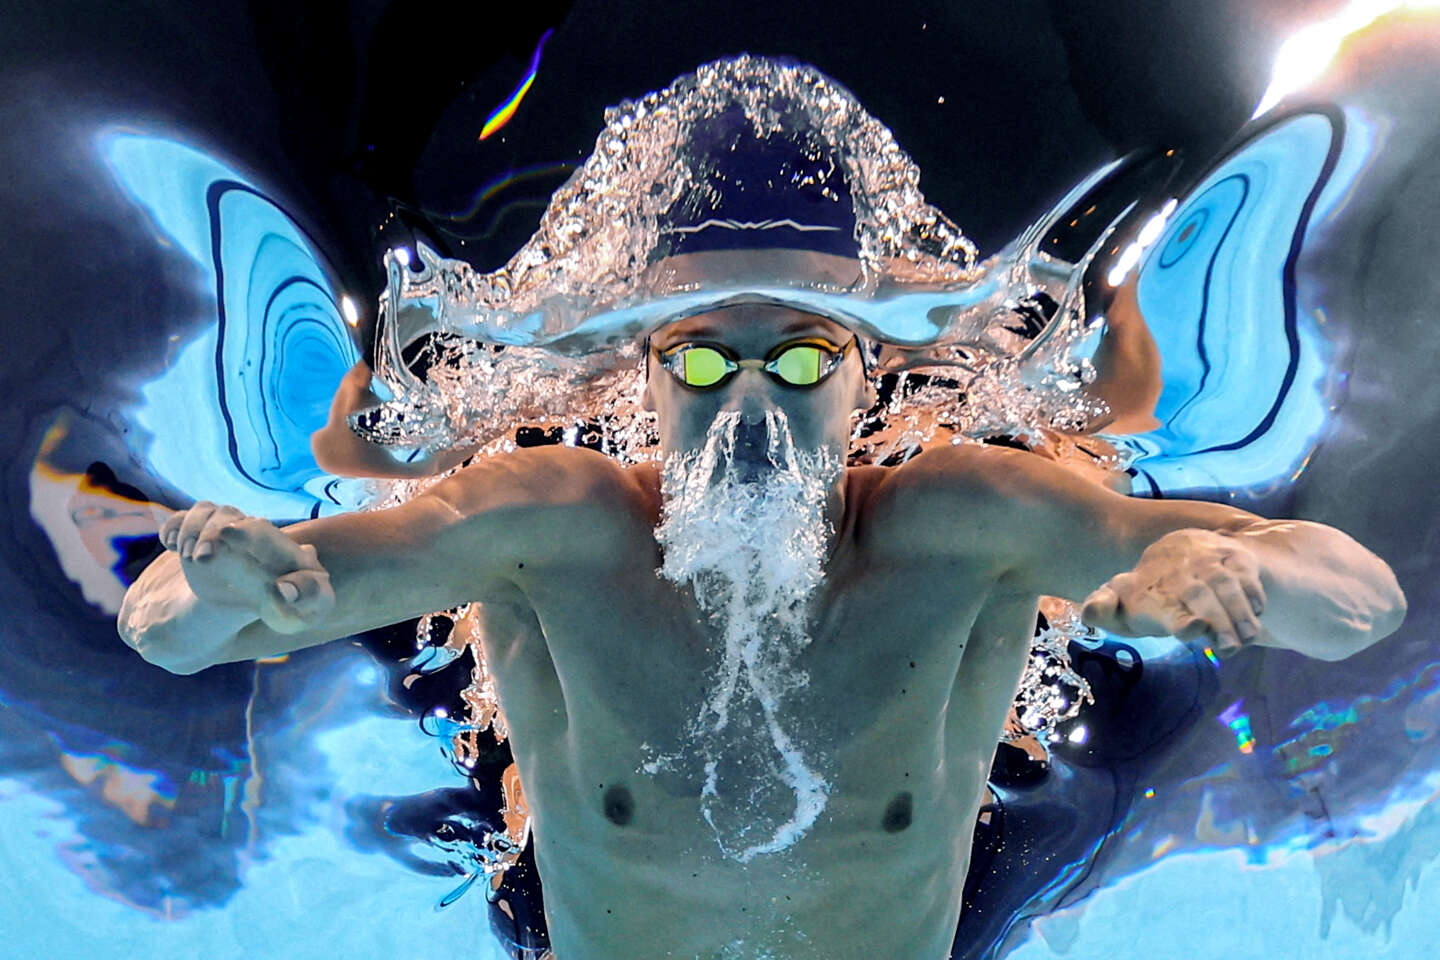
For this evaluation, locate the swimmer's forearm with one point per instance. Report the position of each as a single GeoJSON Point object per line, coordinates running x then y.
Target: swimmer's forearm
{"type": "Point", "coordinates": [1326, 596]}
{"type": "Point", "coordinates": [163, 620]}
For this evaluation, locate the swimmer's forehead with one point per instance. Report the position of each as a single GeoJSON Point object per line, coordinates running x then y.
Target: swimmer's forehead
{"type": "Point", "coordinates": [762, 268]}
{"type": "Point", "coordinates": [750, 324]}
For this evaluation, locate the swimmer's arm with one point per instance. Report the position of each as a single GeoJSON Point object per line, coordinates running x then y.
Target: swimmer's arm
{"type": "Point", "coordinates": [1320, 592]}
{"type": "Point", "coordinates": [1128, 361]}
{"type": "Point", "coordinates": [459, 541]}
{"type": "Point", "coordinates": [339, 450]}
{"type": "Point", "coordinates": [383, 566]}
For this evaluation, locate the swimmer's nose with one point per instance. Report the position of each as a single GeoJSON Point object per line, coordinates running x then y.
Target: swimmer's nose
{"type": "Point", "coordinates": [751, 453]}
{"type": "Point", "coordinates": [749, 395]}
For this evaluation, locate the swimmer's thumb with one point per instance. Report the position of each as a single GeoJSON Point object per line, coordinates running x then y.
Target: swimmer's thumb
{"type": "Point", "coordinates": [1102, 609]}
{"type": "Point", "coordinates": [298, 601]}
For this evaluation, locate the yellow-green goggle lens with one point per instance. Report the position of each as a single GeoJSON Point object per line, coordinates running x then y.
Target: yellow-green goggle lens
{"type": "Point", "coordinates": [703, 366]}
{"type": "Point", "coordinates": [800, 365]}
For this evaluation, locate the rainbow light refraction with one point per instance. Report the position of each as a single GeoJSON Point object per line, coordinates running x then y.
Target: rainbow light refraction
{"type": "Point", "coordinates": [507, 109]}
{"type": "Point", "coordinates": [1238, 721]}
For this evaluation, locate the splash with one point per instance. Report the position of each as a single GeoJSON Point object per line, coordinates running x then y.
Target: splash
{"type": "Point", "coordinates": [551, 338]}
{"type": "Point", "coordinates": [497, 850]}
{"type": "Point", "coordinates": [747, 533]}
{"type": "Point", "coordinates": [1051, 691]}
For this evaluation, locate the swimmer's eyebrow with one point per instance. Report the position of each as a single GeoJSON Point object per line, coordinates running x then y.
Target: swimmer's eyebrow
{"type": "Point", "coordinates": [710, 332]}
{"type": "Point", "coordinates": [816, 326]}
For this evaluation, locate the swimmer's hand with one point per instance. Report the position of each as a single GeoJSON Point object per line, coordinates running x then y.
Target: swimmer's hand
{"type": "Point", "coordinates": [233, 560]}
{"type": "Point", "coordinates": [1189, 583]}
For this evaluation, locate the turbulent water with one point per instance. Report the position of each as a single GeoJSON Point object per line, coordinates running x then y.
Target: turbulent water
{"type": "Point", "coordinates": [744, 526]}
{"type": "Point", "coordinates": [551, 339]}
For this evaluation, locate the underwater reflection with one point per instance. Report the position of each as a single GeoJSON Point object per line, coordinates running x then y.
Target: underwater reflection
{"type": "Point", "coordinates": [1227, 334]}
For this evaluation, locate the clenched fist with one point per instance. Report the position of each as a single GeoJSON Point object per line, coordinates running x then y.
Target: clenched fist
{"type": "Point", "coordinates": [233, 560]}
{"type": "Point", "coordinates": [1187, 584]}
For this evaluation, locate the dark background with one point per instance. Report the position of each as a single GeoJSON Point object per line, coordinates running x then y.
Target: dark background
{"type": "Point", "coordinates": [342, 108]}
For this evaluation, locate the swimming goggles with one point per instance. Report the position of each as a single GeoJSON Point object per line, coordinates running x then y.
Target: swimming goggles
{"type": "Point", "coordinates": [704, 365]}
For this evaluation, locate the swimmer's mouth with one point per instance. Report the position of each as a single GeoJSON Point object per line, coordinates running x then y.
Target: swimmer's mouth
{"type": "Point", "coordinates": [752, 453]}
{"type": "Point", "coordinates": [752, 449]}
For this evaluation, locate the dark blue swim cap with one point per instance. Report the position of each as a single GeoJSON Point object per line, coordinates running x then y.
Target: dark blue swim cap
{"type": "Point", "coordinates": [750, 192]}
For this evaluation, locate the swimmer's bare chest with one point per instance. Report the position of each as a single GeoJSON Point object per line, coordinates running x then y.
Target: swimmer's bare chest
{"type": "Point", "coordinates": [911, 668]}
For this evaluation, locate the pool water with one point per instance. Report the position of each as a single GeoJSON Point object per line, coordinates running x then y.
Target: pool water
{"type": "Point", "coordinates": [1216, 306]}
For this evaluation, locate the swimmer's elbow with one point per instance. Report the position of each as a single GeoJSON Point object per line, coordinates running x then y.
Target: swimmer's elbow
{"type": "Point", "coordinates": [161, 619]}
{"type": "Point", "coordinates": [181, 668]}
{"type": "Point", "coordinates": [161, 648]}
{"type": "Point", "coordinates": [1386, 618]}
{"type": "Point", "coordinates": [1346, 634]}
{"type": "Point", "coordinates": [1396, 605]}
{"type": "Point", "coordinates": [183, 656]}
{"type": "Point", "coordinates": [1380, 616]}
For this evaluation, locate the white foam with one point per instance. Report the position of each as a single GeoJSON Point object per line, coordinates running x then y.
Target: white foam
{"type": "Point", "coordinates": [751, 544]}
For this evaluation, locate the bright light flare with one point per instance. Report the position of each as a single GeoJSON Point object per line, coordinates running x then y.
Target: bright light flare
{"type": "Point", "coordinates": [1305, 56]}
{"type": "Point", "coordinates": [347, 307]}
{"type": "Point", "coordinates": [1146, 238]}
{"type": "Point", "coordinates": [1235, 717]}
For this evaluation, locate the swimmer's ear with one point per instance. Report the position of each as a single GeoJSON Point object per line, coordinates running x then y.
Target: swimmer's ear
{"type": "Point", "coordinates": [867, 397]}
{"type": "Point", "coordinates": [647, 400]}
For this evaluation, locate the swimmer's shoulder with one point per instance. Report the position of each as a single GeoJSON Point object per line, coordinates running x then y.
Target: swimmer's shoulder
{"type": "Point", "coordinates": [953, 470]}
{"type": "Point", "coordinates": [567, 505]}
{"type": "Point", "coordinates": [951, 494]}
{"type": "Point", "coordinates": [533, 477]}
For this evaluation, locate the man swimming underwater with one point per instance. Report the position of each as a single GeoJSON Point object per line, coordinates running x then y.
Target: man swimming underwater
{"type": "Point", "coordinates": [748, 686]}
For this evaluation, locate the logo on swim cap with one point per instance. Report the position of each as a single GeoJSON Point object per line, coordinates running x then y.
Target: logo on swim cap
{"type": "Point", "coordinates": [750, 192]}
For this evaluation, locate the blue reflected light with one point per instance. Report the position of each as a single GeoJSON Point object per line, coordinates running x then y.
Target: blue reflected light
{"type": "Point", "coordinates": [231, 418]}
{"type": "Point", "coordinates": [1223, 273]}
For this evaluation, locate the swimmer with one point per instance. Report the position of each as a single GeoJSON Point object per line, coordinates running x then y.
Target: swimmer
{"type": "Point", "coordinates": [746, 685]}
{"type": "Point", "coordinates": [918, 629]}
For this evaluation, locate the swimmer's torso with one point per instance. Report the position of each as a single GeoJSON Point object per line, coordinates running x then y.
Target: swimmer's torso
{"type": "Point", "coordinates": [911, 669]}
